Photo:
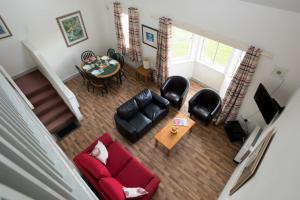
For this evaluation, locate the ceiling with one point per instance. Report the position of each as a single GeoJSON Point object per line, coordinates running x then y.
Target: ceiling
{"type": "Point", "coordinates": [290, 5]}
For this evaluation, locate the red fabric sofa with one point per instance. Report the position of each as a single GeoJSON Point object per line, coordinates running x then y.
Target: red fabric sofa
{"type": "Point", "coordinates": [121, 168]}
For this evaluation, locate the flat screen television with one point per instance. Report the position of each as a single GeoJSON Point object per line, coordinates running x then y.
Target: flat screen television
{"type": "Point", "coordinates": [266, 104]}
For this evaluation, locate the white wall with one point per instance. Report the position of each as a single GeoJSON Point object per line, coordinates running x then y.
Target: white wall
{"type": "Point", "coordinates": [208, 76]}
{"type": "Point", "coordinates": [273, 30]}
{"type": "Point", "coordinates": [36, 21]}
{"type": "Point", "coordinates": [278, 174]}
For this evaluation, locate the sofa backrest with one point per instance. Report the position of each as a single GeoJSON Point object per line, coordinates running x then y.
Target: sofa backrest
{"type": "Point", "coordinates": [143, 98]}
{"type": "Point", "coordinates": [128, 109]}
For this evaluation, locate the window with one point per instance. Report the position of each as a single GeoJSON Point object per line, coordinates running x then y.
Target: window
{"type": "Point", "coordinates": [125, 27]}
{"type": "Point", "coordinates": [218, 55]}
{"type": "Point", "coordinates": [181, 44]}
{"type": "Point", "coordinates": [221, 57]}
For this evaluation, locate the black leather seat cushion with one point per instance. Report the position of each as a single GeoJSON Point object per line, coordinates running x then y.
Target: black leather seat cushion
{"type": "Point", "coordinates": [153, 111]}
{"type": "Point", "coordinates": [128, 109]}
{"type": "Point", "coordinates": [140, 122]}
{"type": "Point", "coordinates": [201, 111]}
{"type": "Point", "coordinates": [172, 96]}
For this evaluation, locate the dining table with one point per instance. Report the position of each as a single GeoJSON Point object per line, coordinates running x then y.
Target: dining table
{"type": "Point", "coordinates": [101, 67]}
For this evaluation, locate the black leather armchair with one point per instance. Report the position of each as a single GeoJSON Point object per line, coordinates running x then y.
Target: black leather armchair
{"type": "Point", "coordinates": [175, 89]}
{"type": "Point", "coordinates": [138, 115]}
{"type": "Point", "coordinates": [205, 104]}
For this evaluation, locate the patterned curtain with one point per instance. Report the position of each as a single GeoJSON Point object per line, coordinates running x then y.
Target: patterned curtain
{"type": "Point", "coordinates": [163, 45]}
{"type": "Point", "coordinates": [119, 30]}
{"type": "Point", "coordinates": [238, 86]}
{"type": "Point", "coordinates": [135, 50]}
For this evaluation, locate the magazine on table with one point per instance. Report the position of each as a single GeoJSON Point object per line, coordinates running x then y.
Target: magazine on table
{"type": "Point", "coordinates": [180, 122]}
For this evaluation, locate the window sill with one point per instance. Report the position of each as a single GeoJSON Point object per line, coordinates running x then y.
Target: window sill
{"type": "Point", "coordinates": [181, 60]}
{"type": "Point", "coordinates": [210, 66]}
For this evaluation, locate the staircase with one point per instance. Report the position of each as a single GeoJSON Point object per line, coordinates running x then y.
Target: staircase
{"type": "Point", "coordinates": [48, 105]}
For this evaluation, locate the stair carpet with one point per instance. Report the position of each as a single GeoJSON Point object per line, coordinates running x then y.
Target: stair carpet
{"type": "Point", "coordinates": [48, 105]}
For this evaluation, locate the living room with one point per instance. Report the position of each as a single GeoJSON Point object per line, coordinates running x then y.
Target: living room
{"type": "Point", "coordinates": [201, 164]}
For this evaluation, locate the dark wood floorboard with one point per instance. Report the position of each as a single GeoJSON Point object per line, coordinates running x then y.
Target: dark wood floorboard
{"type": "Point", "coordinates": [200, 164]}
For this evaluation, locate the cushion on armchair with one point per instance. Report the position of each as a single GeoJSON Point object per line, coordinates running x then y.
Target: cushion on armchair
{"type": "Point", "coordinates": [173, 96]}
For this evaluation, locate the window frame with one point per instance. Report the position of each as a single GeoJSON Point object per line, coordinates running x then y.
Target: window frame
{"type": "Point", "coordinates": [190, 56]}
{"type": "Point", "coordinates": [197, 45]}
{"type": "Point", "coordinates": [212, 65]}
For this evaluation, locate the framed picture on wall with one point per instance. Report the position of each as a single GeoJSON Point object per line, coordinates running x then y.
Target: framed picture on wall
{"type": "Point", "coordinates": [253, 162]}
{"type": "Point", "coordinates": [4, 30]}
{"type": "Point", "coordinates": [149, 36]}
{"type": "Point", "coordinates": [72, 28]}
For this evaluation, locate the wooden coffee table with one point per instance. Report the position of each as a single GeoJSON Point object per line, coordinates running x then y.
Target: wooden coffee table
{"type": "Point", "coordinates": [169, 140]}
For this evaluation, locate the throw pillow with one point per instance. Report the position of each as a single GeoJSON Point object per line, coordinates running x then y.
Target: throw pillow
{"type": "Point", "coordinates": [134, 192]}
{"type": "Point", "coordinates": [100, 152]}
{"type": "Point", "coordinates": [112, 188]}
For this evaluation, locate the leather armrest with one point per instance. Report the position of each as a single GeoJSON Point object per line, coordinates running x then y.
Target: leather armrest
{"type": "Point", "coordinates": [165, 87]}
{"type": "Point", "coordinates": [160, 100]}
{"type": "Point", "coordinates": [214, 112]}
{"type": "Point", "coordinates": [124, 124]}
{"type": "Point", "coordinates": [193, 100]}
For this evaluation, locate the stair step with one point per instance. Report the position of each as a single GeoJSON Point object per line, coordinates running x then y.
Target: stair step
{"type": "Point", "coordinates": [60, 122]}
{"type": "Point", "coordinates": [53, 114]}
{"type": "Point", "coordinates": [47, 105]}
{"type": "Point", "coordinates": [32, 83]}
{"type": "Point", "coordinates": [44, 95]}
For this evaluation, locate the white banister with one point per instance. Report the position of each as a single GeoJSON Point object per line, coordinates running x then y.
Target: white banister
{"type": "Point", "coordinates": [66, 94]}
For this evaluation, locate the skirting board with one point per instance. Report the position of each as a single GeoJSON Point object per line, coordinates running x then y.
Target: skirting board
{"type": "Point", "coordinates": [71, 77]}
{"type": "Point", "coordinates": [202, 84]}
{"type": "Point", "coordinates": [24, 72]}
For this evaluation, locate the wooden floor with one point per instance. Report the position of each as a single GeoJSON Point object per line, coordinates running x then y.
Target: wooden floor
{"type": "Point", "coordinates": [200, 164]}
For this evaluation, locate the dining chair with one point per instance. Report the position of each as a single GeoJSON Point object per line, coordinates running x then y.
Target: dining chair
{"type": "Point", "coordinates": [82, 74]}
{"type": "Point", "coordinates": [97, 83]}
{"type": "Point", "coordinates": [120, 58]}
{"type": "Point", "coordinates": [87, 54]}
{"type": "Point", "coordinates": [110, 52]}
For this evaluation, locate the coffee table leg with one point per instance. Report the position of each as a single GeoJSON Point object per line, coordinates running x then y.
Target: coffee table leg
{"type": "Point", "coordinates": [169, 152]}
{"type": "Point", "coordinates": [155, 143]}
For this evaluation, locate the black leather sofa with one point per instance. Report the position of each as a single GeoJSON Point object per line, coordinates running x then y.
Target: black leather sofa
{"type": "Point", "coordinates": [175, 90]}
{"type": "Point", "coordinates": [205, 105]}
{"type": "Point", "coordinates": [138, 115]}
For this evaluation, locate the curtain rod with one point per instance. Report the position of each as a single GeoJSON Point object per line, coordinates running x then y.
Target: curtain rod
{"type": "Point", "coordinates": [211, 35]}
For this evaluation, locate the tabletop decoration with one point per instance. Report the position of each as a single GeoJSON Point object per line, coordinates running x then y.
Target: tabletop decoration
{"type": "Point", "coordinates": [101, 66]}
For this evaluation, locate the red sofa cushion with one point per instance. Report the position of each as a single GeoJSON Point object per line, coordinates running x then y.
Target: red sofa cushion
{"type": "Point", "coordinates": [118, 157]}
{"type": "Point", "coordinates": [134, 174]}
{"type": "Point", "coordinates": [112, 188]}
{"type": "Point", "coordinates": [92, 165]}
